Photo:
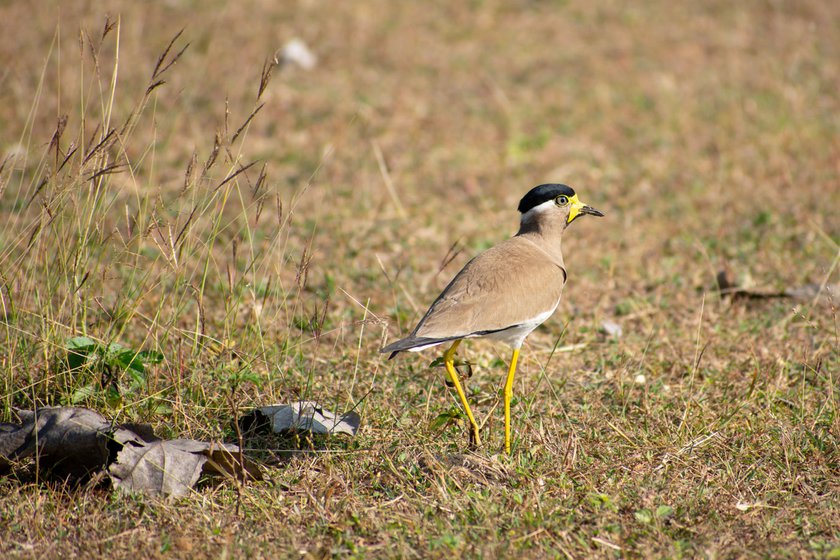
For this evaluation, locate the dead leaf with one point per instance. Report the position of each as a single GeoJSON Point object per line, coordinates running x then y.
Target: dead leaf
{"type": "Point", "coordinates": [806, 292]}
{"type": "Point", "coordinates": [729, 288]}
{"type": "Point", "coordinates": [78, 442]}
{"type": "Point", "coordinates": [12, 437]}
{"type": "Point", "coordinates": [223, 458]}
{"type": "Point", "coordinates": [144, 431]}
{"type": "Point", "coordinates": [226, 460]}
{"type": "Point", "coordinates": [809, 292]}
{"type": "Point", "coordinates": [69, 441]}
{"type": "Point", "coordinates": [159, 468]}
{"type": "Point", "coordinates": [172, 467]}
{"type": "Point", "coordinates": [301, 416]}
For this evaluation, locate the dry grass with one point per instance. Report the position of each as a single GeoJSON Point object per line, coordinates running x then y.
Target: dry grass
{"type": "Point", "coordinates": [706, 131]}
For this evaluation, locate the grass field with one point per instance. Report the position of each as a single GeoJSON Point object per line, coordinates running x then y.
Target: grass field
{"type": "Point", "coordinates": [269, 233]}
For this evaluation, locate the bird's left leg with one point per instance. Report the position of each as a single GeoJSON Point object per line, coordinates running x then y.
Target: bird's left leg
{"type": "Point", "coordinates": [508, 394]}
{"type": "Point", "coordinates": [449, 360]}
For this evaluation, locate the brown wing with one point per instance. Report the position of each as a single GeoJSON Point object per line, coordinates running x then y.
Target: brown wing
{"type": "Point", "coordinates": [507, 285]}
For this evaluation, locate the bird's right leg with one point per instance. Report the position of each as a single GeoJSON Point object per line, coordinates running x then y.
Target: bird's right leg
{"type": "Point", "coordinates": [508, 395]}
{"type": "Point", "coordinates": [449, 360]}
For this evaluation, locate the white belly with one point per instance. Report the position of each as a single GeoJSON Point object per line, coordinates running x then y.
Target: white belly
{"type": "Point", "coordinates": [515, 336]}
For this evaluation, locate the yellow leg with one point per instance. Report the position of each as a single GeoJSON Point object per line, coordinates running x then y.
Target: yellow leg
{"type": "Point", "coordinates": [508, 396]}
{"type": "Point", "coordinates": [449, 360]}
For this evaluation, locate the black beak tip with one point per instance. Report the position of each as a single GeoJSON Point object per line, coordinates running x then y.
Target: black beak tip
{"type": "Point", "coordinates": [593, 212]}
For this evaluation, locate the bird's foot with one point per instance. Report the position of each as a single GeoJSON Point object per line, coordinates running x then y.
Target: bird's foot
{"type": "Point", "coordinates": [475, 439]}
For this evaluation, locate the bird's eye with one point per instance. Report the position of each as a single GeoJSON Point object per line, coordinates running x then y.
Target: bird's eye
{"type": "Point", "coordinates": [562, 200]}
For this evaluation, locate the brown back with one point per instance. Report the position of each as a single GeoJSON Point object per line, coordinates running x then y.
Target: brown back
{"type": "Point", "coordinates": [507, 285]}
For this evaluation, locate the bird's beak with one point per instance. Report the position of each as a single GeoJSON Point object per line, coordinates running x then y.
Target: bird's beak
{"type": "Point", "coordinates": [579, 208]}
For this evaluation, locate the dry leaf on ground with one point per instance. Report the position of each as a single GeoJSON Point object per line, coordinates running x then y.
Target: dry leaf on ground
{"type": "Point", "coordinates": [69, 441]}
{"type": "Point", "coordinates": [77, 442]}
{"type": "Point", "coordinates": [806, 292]}
{"type": "Point", "coordinates": [301, 416]}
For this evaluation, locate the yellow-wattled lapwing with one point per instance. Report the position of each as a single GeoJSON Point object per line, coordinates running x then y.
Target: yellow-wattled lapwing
{"type": "Point", "coordinates": [505, 292]}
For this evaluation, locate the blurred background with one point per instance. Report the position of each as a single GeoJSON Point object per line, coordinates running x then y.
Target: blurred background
{"type": "Point", "coordinates": [265, 192]}
{"type": "Point", "coordinates": [686, 121]}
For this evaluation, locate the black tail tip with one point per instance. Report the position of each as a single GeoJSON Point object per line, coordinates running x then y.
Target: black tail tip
{"type": "Point", "coordinates": [391, 350]}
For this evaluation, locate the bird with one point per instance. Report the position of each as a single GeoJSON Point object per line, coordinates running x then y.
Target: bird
{"type": "Point", "coordinates": [504, 293]}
